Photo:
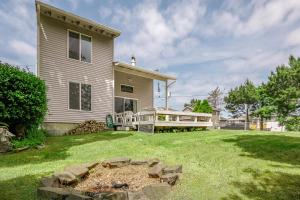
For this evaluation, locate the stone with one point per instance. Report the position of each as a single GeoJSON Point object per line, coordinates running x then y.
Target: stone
{"type": "Point", "coordinates": [66, 178]}
{"type": "Point", "coordinates": [138, 162]}
{"type": "Point", "coordinates": [112, 196]}
{"type": "Point", "coordinates": [21, 149]}
{"type": "Point", "coordinates": [39, 147]}
{"type": "Point", "coordinates": [5, 137]}
{"type": "Point", "coordinates": [156, 191]}
{"type": "Point", "coordinates": [153, 162]}
{"type": "Point", "coordinates": [116, 162]}
{"type": "Point", "coordinates": [78, 197]}
{"type": "Point", "coordinates": [45, 193]}
{"type": "Point", "coordinates": [173, 169]}
{"type": "Point", "coordinates": [117, 196]}
{"type": "Point", "coordinates": [90, 165]}
{"type": "Point", "coordinates": [156, 171]}
{"type": "Point", "coordinates": [78, 170]}
{"type": "Point", "coordinates": [169, 178]}
{"type": "Point", "coordinates": [137, 196]}
{"type": "Point", "coordinates": [50, 181]}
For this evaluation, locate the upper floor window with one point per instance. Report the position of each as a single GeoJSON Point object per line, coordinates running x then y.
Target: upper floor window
{"type": "Point", "coordinates": [127, 88]}
{"type": "Point", "coordinates": [80, 46]}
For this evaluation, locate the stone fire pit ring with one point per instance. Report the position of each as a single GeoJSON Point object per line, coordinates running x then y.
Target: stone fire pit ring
{"type": "Point", "coordinates": [139, 179]}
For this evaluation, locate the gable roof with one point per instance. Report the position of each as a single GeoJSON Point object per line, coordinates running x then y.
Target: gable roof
{"type": "Point", "coordinates": [70, 18]}
{"type": "Point", "coordinates": [139, 71]}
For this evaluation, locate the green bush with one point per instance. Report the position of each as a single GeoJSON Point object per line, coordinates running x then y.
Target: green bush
{"type": "Point", "coordinates": [23, 99]}
{"type": "Point", "coordinates": [34, 137]}
{"type": "Point", "coordinates": [292, 123]}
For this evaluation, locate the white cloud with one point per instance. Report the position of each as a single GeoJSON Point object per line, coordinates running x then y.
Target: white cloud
{"type": "Point", "coordinates": [159, 31]}
{"type": "Point", "coordinates": [22, 48]}
{"type": "Point", "coordinates": [253, 18]}
{"type": "Point", "coordinates": [293, 38]}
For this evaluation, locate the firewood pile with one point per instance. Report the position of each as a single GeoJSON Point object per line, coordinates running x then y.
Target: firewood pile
{"type": "Point", "coordinates": [90, 126]}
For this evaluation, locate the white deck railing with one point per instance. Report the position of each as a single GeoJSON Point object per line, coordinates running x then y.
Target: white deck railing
{"type": "Point", "coordinates": [164, 118]}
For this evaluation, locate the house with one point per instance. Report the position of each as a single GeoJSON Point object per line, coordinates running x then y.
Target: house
{"type": "Point", "coordinates": [75, 58]}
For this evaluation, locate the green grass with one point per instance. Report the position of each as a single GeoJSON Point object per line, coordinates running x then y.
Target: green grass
{"type": "Point", "coordinates": [217, 164]}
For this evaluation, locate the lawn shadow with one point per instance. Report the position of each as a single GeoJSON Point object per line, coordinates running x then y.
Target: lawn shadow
{"type": "Point", "coordinates": [56, 148]}
{"type": "Point", "coordinates": [278, 148]}
{"type": "Point", "coordinates": [268, 185]}
{"type": "Point", "coordinates": [21, 188]}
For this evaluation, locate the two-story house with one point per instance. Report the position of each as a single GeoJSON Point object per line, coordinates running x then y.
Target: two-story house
{"type": "Point", "coordinates": [75, 57]}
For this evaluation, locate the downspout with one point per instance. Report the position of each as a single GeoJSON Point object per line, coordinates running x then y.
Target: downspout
{"type": "Point", "coordinates": [37, 71]}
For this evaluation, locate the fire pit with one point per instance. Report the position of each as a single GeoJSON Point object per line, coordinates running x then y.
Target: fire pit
{"type": "Point", "coordinates": [118, 178]}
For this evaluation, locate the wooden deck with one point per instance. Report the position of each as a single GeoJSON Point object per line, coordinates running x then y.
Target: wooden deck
{"type": "Point", "coordinates": [148, 120]}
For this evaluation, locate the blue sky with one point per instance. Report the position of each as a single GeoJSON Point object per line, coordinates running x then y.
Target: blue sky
{"type": "Point", "coordinates": [205, 43]}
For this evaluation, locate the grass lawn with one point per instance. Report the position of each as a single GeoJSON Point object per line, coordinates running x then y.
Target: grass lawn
{"type": "Point", "coordinates": [216, 164]}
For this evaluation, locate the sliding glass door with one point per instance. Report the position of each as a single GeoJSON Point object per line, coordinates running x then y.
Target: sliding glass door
{"type": "Point", "coordinates": [125, 104]}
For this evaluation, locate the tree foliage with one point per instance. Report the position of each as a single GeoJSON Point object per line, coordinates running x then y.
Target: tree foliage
{"type": "Point", "coordinates": [242, 99]}
{"type": "Point", "coordinates": [279, 96]}
{"type": "Point", "coordinates": [283, 90]}
{"type": "Point", "coordinates": [192, 103]}
{"type": "Point", "coordinates": [22, 97]}
{"type": "Point", "coordinates": [202, 107]}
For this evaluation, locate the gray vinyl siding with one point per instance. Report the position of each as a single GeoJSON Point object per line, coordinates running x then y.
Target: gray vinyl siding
{"type": "Point", "coordinates": [143, 89]}
{"type": "Point", "coordinates": [58, 70]}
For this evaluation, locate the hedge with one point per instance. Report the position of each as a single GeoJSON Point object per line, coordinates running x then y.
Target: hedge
{"type": "Point", "coordinates": [23, 101]}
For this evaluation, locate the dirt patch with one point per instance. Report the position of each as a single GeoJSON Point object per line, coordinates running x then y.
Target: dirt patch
{"type": "Point", "coordinates": [102, 179]}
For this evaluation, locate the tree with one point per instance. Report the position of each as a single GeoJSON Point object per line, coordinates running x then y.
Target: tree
{"type": "Point", "coordinates": [283, 91]}
{"type": "Point", "coordinates": [214, 98]}
{"type": "Point", "coordinates": [202, 107]}
{"type": "Point", "coordinates": [192, 103]}
{"type": "Point", "coordinates": [23, 101]}
{"type": "Point", "coordinates": [242, 100]}
{"type": "Point", "coordinates": [264, 109]}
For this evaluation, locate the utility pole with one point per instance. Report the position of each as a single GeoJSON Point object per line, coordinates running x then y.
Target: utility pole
{"type": "Point", "coordinates": [167, 93]}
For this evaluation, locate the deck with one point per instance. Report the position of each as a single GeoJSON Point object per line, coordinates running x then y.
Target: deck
{"type": "Point", "coordinates": [148, 120]}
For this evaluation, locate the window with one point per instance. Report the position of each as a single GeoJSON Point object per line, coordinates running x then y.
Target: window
{"type": "Point", "coordinates": [80, 96]}
{"type": "Point", "coordinates": [127, 88]}
{"type": "Point", "coordinates": [86, 97]}
{"type": "Point", "coordinates": [74, 45]}
{"type": "Point", "coordinates": [86, 48]}
{"type": "Point", "coordinates": [74, 97]}
{"type": "Point", "coordinates": [124, 104]}
{"type": "Point", "coordinates": [80, 47]}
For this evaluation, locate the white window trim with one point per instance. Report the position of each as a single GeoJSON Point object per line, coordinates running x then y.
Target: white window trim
{"type": "Point", "coordinates": [129, 86]}
{"type": "Point", "coordinates": [70, 30]}
{"type": "Point", "coordinates": [79, 110]}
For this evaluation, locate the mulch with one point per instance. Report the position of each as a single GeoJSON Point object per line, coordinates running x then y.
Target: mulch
{"type": "Point", "coordinates": [101, 179]}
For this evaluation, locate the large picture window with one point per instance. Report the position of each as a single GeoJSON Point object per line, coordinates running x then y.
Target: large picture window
{"type": "Point", "coordinates": [80, 96]}
{"type": "Point", "coordinates": [124, 104]}
{"type": "Point", "coordinates": [80, 47]}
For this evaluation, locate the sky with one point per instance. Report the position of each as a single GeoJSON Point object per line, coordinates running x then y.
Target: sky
{"type": "Point", "coordinates": [204, 43]}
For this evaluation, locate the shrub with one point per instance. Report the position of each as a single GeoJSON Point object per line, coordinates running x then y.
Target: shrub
{"type": "Point", "coordinates": [23, 101]}
{"type": "Point", "coordinates": [293, 123]}
{"type": "Point", "coordinates": [34, 137]}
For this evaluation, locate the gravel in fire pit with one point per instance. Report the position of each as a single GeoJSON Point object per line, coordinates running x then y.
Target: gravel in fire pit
{"type": "Point", "coordinates": [101, 179]}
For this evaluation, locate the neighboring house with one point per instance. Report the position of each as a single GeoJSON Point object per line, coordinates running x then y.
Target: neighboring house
{"type": "Point", "coordinates": [188, 109]}
{"type": "Point", "coordinates": [75, 59]}
{"type": "Point", "coordinates": [268, 125]}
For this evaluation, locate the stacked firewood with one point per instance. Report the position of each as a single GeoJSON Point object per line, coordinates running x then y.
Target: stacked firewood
{"type": "Point", "coordinates": [90, 126]}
